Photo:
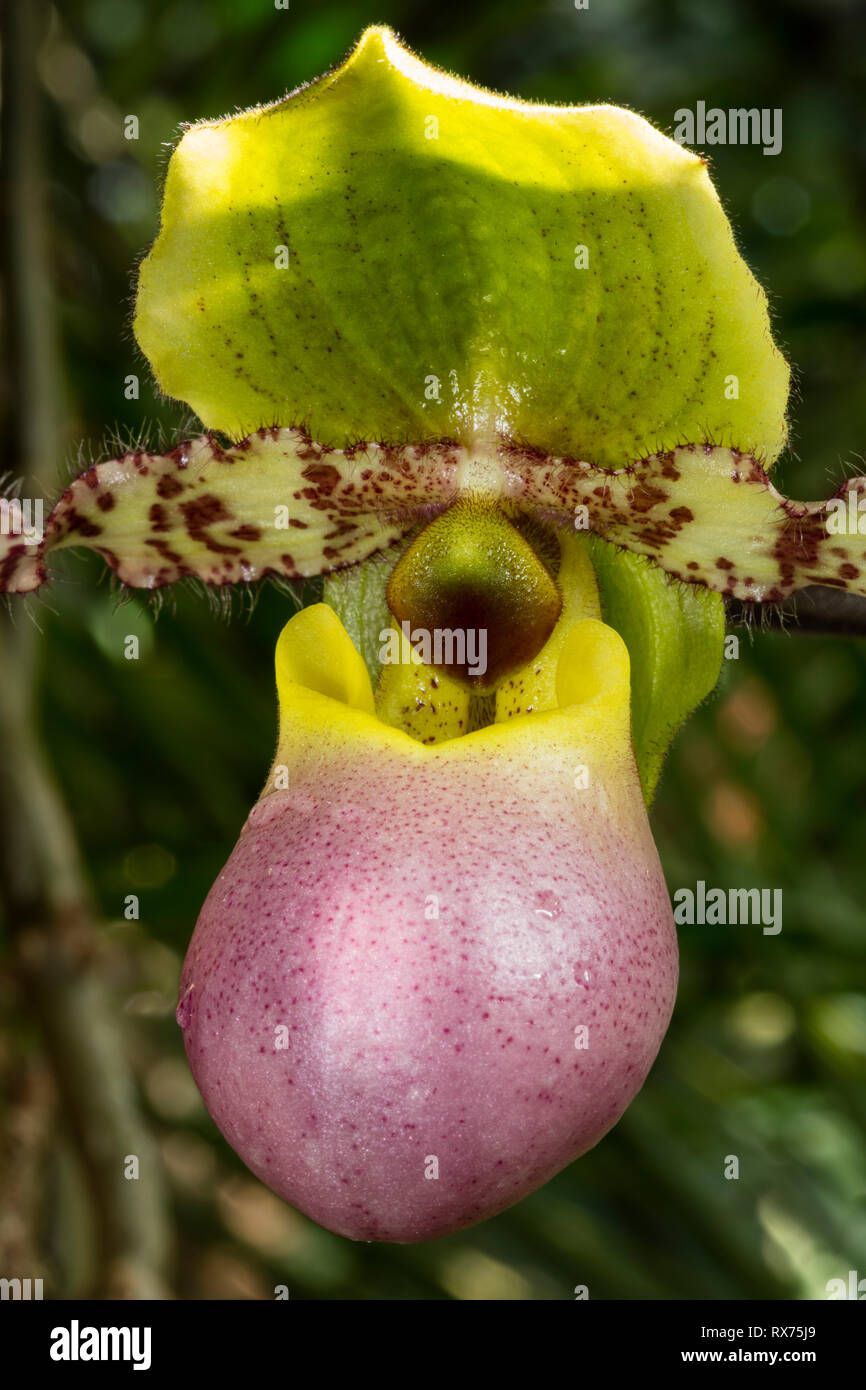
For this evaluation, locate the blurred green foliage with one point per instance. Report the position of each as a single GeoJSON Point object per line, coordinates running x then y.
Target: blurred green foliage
{"type": "Point", "coordinates": [161, 758]}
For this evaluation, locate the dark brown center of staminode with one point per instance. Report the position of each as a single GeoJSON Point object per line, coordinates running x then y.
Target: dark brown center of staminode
{"type": "Point", "coordinates": [474, 595]}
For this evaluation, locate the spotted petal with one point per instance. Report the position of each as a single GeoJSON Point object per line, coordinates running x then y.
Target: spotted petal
{"type": "Point", "coordinates": [281, 503]}
{"type": "Point", "coordinates": [711, 516]}
{"type": "Point", "coordinates": [276, 503]}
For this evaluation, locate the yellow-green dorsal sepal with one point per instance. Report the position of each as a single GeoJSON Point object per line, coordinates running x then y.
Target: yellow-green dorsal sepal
{"type": "Point", "coordinates": [393, 254]}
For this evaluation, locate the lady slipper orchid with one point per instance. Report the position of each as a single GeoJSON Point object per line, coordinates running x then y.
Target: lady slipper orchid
{"type": "Point", "coordinates": [499, 372]}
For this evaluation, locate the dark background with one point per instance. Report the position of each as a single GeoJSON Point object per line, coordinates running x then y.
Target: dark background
{"type": "Point", "coordinates": [159, 760]}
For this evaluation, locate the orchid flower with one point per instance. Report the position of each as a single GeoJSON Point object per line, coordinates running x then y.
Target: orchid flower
{"type": "Point", "coordinates": [498, 371]}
